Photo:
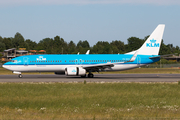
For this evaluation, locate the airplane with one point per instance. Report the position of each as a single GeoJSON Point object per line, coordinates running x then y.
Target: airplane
{"type": "Point", "coordinates": [79, 65]}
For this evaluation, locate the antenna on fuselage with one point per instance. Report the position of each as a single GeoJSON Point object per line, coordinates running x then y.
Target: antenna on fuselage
{"type": "Point", "coordinates": [87, 53]}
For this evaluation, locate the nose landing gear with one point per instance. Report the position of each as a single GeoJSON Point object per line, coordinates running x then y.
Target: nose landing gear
{"type": "Point", "coordinates": [90, 75]}
{"type": "Point", "coordinates": [20, 76]}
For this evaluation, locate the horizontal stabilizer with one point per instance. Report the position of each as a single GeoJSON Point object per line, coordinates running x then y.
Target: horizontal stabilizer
{"type": "Point", "coordinates": [161, 56]}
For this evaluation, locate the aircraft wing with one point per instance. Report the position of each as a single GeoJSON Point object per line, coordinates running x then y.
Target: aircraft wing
{"type": "Point", "coordinates": [100, 66]}
{"type": "Point", "coordinates": [96, 67]}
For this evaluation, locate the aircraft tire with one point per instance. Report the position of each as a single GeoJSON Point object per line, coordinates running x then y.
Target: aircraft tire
{"type": "Point", "coordinates": [20, 76]}
{"type": "Point", "coordinates": [83, 76]}
{"type": "Point", "coordinates": [90, 75]}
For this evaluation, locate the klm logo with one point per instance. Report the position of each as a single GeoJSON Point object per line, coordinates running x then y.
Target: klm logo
{"type": "Point", "coordinates": [152, 44]}
{"type": "Point", "coordinates": [73, 70]}
{"type": "Point", "coordinates": [40, 58]}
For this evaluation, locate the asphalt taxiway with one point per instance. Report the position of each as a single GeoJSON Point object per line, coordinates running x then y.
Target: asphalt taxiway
{"type": "Point", "coordinates": [97, 78]}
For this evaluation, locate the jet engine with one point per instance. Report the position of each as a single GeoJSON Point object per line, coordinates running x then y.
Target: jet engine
{"type": "Point", "coordinates": [78, 71]}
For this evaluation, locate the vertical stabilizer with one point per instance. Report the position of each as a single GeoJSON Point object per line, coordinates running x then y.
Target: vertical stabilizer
{"type": "Point", "coordinates": [153, 43]}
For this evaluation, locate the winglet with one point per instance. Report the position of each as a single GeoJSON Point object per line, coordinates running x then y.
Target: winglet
{"type": "Point", "coordinates": [133, 57]}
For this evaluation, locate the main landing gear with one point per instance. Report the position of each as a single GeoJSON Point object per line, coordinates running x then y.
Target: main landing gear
{"type": "Point", "coordinates": [90, 75]}
{"type": "Point", "coordinates": [83, 76]}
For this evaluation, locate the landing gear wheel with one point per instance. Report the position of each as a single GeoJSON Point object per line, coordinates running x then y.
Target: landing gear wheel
{"type": "Point", "coordinates": [90, 75]}
{"type": "Point", "coordinates": [20, 76]}
{"type": "Point", "coordinates": [83, 76]}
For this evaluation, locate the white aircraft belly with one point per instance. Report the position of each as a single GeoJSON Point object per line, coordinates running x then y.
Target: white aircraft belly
{"type": "Point", "coordinates": [35, 68]}
{"type": "Point", "coordinates": [56, 68]}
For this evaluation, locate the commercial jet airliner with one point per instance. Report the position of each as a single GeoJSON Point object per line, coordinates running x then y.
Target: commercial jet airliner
{"type": "Point", "coordinates": [80, 64]}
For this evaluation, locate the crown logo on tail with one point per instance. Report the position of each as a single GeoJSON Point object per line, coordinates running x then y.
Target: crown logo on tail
{"type": "Point", "coordinates": [153, 41]}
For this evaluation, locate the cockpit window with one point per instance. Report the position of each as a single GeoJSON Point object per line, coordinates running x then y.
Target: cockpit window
{"type": "Point", "coordinates": [13, 61]}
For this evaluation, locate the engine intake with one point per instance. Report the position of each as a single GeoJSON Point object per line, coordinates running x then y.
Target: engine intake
{"type": "Point", "coordinates": [75, 71]}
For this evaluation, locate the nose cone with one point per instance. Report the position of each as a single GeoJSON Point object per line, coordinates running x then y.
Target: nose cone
{"type": "Point", "coordinates": [8, 67]}
{"type": "Point", "coordinates": [5, 66]}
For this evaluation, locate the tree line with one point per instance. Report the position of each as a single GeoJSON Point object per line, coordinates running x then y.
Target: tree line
{"type": "Point", "coordinates": [58, 45]}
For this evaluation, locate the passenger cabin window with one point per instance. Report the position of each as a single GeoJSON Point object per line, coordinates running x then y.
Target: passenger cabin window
{"type": "Point", "coordinates": [13, 60]}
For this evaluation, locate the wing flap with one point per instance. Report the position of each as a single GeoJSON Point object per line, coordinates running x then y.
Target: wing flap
{"type": "Point", "coordinates": [105, 65]}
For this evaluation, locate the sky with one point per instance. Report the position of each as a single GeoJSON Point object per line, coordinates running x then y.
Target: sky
{"type": "Point", "coordinates": [91, 20]}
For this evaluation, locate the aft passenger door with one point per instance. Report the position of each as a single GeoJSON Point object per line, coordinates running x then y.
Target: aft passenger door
{"type": "Point", "coordinates": [25, 59]}
{"type": "Point", "coordinates": [138, 60]}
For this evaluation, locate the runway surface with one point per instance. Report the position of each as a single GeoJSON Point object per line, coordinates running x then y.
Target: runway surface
{"type": "Point", "coordinates": [97, 78]}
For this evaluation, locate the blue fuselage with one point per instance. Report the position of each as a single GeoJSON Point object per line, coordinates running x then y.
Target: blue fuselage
{"type": "Point", "coordinates": [79, 59]}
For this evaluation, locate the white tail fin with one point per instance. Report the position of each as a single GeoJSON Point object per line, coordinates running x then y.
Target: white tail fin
{"type": "Point", "coordinates": [153, 43]}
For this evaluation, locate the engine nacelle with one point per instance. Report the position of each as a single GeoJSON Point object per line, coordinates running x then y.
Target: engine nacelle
{"type": "Point", "coordinates": [59, 73]}
{"type": "Point", "coordinates": [75, 71]}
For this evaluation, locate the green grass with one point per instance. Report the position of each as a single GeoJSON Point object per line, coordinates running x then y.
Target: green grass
{"type": "Point", "coordinates": [89, 101]}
